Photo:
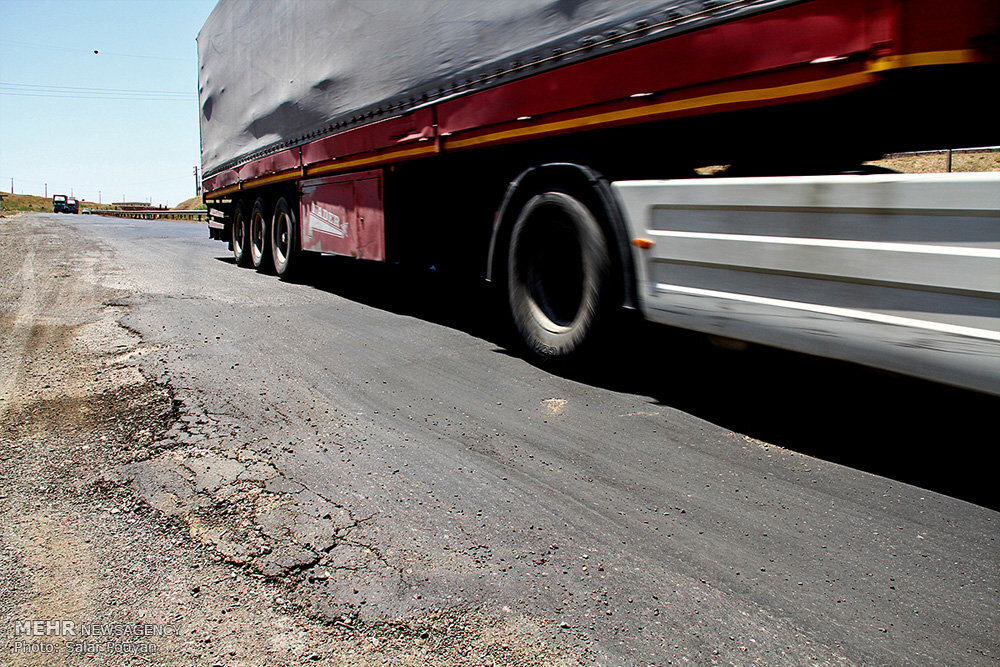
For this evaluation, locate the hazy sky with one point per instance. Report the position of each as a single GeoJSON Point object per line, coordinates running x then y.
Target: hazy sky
{"type": "Point", "coordinates": [122, 121]}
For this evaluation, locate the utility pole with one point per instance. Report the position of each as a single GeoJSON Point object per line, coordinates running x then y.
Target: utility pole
{"type": "Point", "coordinates": [98, 196]}
{"type": "Point", "coordinates": [197, 183]}
{"type": "Point", "coordinates": [46, 190]}
{"type": "Point", "coordinates": [12, 185]}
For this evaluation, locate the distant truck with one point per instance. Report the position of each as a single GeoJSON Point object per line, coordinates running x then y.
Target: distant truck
{"type": "Point", "coordinates": [64, 204]}
{"type": "Point", "coordinates": [557, 149]}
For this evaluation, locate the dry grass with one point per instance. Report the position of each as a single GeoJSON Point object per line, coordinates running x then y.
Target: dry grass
{"type": "Point", "coordinates": [14, 203]}
{"type": "Point", "coordinates": [926, 163]}
{"type": "Point", "coordinates": [906, 163]}
{"type": "Point", "coordinates": [20, 203]}
{"type": "Point", "coordinates": [192, 204]}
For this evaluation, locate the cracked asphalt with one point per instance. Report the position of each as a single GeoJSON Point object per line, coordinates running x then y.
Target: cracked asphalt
{"type": "Point", "coordinates": [365, 439]}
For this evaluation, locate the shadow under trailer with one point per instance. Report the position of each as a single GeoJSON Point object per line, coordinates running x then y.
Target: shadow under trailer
{"type": "Point", "coordinates": [699, 162]}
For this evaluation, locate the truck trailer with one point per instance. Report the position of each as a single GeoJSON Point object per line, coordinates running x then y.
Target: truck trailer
{"type": "Point", "coordinates": [699, 161]}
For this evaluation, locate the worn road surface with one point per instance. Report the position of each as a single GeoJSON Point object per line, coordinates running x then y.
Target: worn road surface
{"type": "Point", "coordinates": [355, 468]}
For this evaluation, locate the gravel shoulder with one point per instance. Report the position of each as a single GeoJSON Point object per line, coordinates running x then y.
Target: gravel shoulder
{"type": "Point", "coordinates": [121, 505]}
{"type": "Point", "coordinates": [351, 470]}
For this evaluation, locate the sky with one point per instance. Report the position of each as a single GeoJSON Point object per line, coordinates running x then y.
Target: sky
{"type": "Point", "coordinates": [120, 124]}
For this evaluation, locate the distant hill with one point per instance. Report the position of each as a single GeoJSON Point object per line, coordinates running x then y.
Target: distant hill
{"type": "Point", "coordinates": [985, 160]}
{"type": "Point", "coordinates": [14, 203]}
{"type": "Point", "coordinates": [190, 204]}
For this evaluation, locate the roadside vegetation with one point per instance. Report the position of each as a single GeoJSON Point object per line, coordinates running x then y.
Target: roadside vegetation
{"type": "Point", "coordinates": [14, 203]}
{"type": "Point", "coordinates": [937, 161]}
{"type": "Point", "coordinates": [988, 160]}
{"type": "Point", "coordinates": [193, 204]}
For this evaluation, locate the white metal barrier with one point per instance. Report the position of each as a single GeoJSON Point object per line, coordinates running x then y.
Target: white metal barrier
{"type": "Point", "coordinates": [900, 272]}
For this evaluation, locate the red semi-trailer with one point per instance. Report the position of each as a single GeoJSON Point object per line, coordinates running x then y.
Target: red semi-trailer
{"type": "Point", "coordinates": [528, 141]}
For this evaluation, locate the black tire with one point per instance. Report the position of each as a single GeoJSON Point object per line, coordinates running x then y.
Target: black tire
{"type": "Point", "coordinates": [240, 236]}
{"type": "Point", "coordinates": [285, 240]}
{"type": "Point", "coordinates": [558, 276]}
{"type": "Point", "coordinates": [260, 238]}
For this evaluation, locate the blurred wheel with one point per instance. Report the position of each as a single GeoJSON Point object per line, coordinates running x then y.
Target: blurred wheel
{"type": "Point", "coordinates": [260, 238]}
{"type": "Point", "coordinates": [558, 275]}
{"type": "Point", "coordinates": [240, 235]}
{"type": "Point", "coordinates": [285, 239]}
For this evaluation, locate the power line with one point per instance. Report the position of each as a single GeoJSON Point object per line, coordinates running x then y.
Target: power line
{"type": "Point", "coordinates": [42, 87]}
{"type": "Point", "coordinates": [27, 186]}
{"type": "Point", "coordinates": [81, 93]}
{"type": "Point", "coordinates": [101, 97]}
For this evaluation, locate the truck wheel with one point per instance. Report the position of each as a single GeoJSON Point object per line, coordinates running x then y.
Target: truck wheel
{"type": "Point", "coordinates": [285, 239]}
{"type": "Point", "coordinates": [260, 238]}
{"type": "Point", "coordinates": [241, 235]}
{"type": "Point", "coordinates": [558, 275]}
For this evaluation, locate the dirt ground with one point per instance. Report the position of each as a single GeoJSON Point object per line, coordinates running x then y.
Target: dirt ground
{"type": "Point", "coordinates": [938, 162]}
{"type": "Point", "coordinates": [128, 583]}
{"type": "Point", "coordinates": [124, 509]}
{"type": "Point", "coordinates": [13, 204]}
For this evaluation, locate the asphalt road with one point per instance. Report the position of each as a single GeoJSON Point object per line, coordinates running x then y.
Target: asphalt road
{"type": "Point", "coordinates": [681, 502]}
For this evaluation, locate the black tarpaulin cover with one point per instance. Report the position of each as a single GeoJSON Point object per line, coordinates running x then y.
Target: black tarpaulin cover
{"type": "Point", "coordinates": [272, 72]}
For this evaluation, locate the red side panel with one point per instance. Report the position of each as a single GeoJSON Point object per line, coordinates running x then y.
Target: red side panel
{"type": "Point", "coordinates": [221, 180]}
{"type": "Point", "coordinates": [344, 215]}
{"type": "Point", "coordinates": [936, 25]}
{"type": "Point", "coordinates": [406, 129]}
{"type": "Point", "coordinates": [806, 50]}
{"type": "Point", "coordinates": [370, 230]}
{"type": "Point", "coordinates": [271, 164]}
{"type": "Point", "coordinates": [765, 43]}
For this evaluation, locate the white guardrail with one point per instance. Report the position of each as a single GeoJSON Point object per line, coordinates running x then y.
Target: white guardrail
{"type": "Point", "coordinates": [152, 214]}
{"type": "Point", "coordinates": [900, 272]}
